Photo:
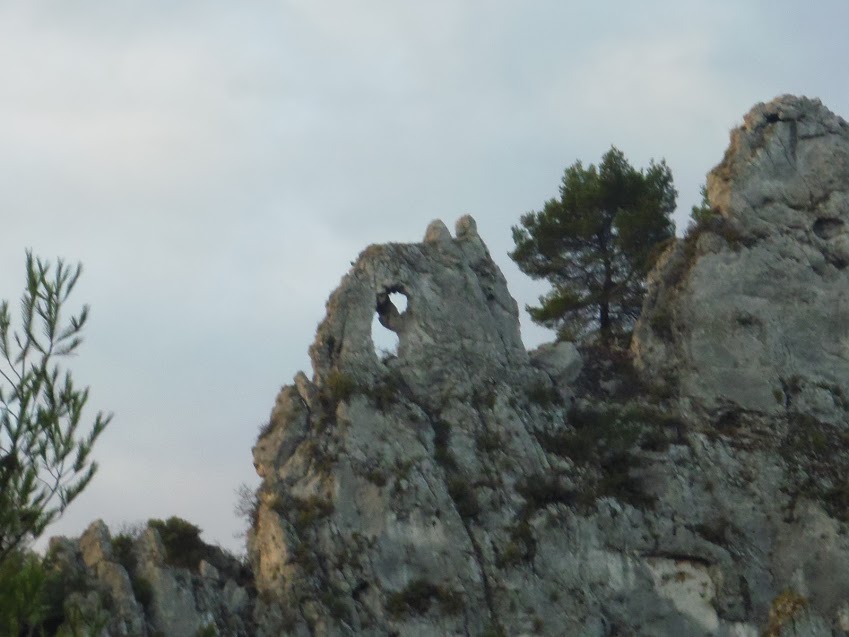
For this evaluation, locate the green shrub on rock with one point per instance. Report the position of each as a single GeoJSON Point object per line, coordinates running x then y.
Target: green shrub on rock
{"type": "Point", "coordinates": [418, 596]}
{"type": "Point", "coordinates": [183, 546]}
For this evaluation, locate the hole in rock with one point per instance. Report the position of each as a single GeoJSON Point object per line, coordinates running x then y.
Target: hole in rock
{"type": "Point", "coordinates": [399, 300]}
{"type": "Point", "coordinates": [827, 228]}
{"type": "Point", "coordinates": [390, 306]}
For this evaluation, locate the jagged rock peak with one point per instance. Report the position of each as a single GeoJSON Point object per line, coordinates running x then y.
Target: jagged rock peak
{"type": "Point", "coordinates": [138, 585]}
{"type": "Point", "coordinates": [787, 166]}
{"type": "Point", "coordinates": [467, 228]}
{"type": "Point", "coordinates": [466, 487]}
{"type": "Point", "coordinates": [457, 300]}
{"type": "Point", "coordinates": [375, 458]}
{"type": "Point", "coordinates": [437, 232]}
{"type": "Point", "coordinates": [751, 309]}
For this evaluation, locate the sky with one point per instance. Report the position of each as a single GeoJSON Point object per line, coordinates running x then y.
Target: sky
{"type": "Point", "coordinates": [216, 167]}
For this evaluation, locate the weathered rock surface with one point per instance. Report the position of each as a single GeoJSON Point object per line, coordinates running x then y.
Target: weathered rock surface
{"type": "Point", "coordinates": [130, 589]}
{"type": "Point", "coordinates": [465, 487]}
{"type": "Point", "coordinates": [752, 310]}
{"type": "Point", "coordinates": [383, 477]}
{"type": "Point", "coordinates": [694, 486]}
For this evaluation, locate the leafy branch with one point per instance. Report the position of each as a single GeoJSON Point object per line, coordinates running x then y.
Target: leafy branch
{"type": "Point", "coordinates": [44, 453]}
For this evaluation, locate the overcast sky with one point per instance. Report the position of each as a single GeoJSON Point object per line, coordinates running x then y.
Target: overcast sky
{"type": "Point", "coordinates": [216, 166]}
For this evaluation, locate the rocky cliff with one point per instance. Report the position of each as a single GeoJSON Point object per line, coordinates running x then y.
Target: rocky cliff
{"type": "Point", "coordinates": [156, 581]}
{"type": "Point", "coordinates": [751, 310]}
{"type": "Point", "coordinates": [695, 485]}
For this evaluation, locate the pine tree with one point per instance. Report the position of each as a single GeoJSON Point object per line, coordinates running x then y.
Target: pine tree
{"type": "Point", "coordinates": [595, 245]}
{"type": "Point", "coordinates": [704, 211]}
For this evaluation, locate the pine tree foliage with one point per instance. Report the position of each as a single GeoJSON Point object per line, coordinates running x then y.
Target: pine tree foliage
{"type": "Point", "coordinates": [44, 446]}
{"type": "Point", "coordinates": [704, 210]}
{"type": "Point", "coordinates": [595, 245]}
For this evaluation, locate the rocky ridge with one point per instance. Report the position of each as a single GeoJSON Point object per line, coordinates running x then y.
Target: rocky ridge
{"type": "Point", "coordinates": [695, 485]}
{"type": "Point", "coordinates": [142, 584]}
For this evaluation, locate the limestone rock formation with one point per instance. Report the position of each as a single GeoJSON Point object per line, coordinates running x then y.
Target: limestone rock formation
{"type": "Point", "coordinates": [752, 310]}
{"type": "Point", "coordinates": [129, 587]}
{"type": "Point", "coordinates": [390, 485]}
{"type": "Point", "coordinates": [465, 487]}
{"type": "Point", "coordinates": [693, 486]}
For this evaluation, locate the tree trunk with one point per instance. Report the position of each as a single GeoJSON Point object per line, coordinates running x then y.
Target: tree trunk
{"type": "Point", "coordinates": [607, 287]}
{"type": "Point", "coordinates": [604, 320]}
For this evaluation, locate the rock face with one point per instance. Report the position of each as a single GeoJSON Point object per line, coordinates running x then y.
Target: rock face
{"type": "Point", "coordinates": [390, 485]}
{"type": "Point", "coordinates": [466, 487]}
{"type": "Point", "coordinates": [128, 586]}
{"type": "Point", "coordinates": [752, 311]}
{"type": "Point", "coordinates": [694, 486]}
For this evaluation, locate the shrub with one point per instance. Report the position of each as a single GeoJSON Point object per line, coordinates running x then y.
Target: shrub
{"type": "Point", "coordinates": [305, 557]}
{"type": "Point", "coordinates": [209, 630]}
{"type": "Point", "coordinates": [375, 476]}
{"type": "Point", "coordinates": [246, 507]}
{"type": "Point", "coordinates": [464, 497]}
{"type": "Point", "coordinates": [441, 441]}
{"type": "Point", "coordinates": [183, 546]}
{"type": "Point", "coordinates": [320, 457]}
{"type": "Point", "coordinates": [603, 364]}
{"type": "Point", "coordinates": [484, 397]}
{"type": "Point", "coordinates": [617, 482]}
{"type": "Point", "coordinates": [387, 391]}
{"type": "Point", "coordinates": [265, 428]}
{"type": "Point", "coordinates": [713, 222]}
{"type": "Point", "coordinates": [142, 590]}
{"type": "Point", "coordinates": [45, 597]}
{"type": "Point", "coordinates": [510, 556]}
{"type": "Point", "coordinates": [604, 441]}
{"type": "Point", "coordinates": [489, 442]}
{"type": "Point", "coordinates": [543, 394]}
{"type": "Point", "coordinates": [785, 608]}
{"type": "Point", "coordinates": [662, 321]}
{"type": "Point", "coordinates": [64, 583]}
{"type": "Point", "coordinates": [522, 544]}
{"type": "Point", "coordinates": [84, 615]}
{"type": "Point", "coordinates": [22, 592]}
{"type": "Point", "coordinates": [494, 630]}
{"type": "Point", "coordinates": [717, 531]}
{"type": "Point", "coordinates": [122, 550]}
{"type": "Point", "coordinates": [654, 440]}
{"type": "Point", "coordinates": [418, 596]}
{"type": "Point", "coordinates": [542, 490]}
{"type": "Point", "coordinates": [308, 511]}
{"type": "Point", "coordinates": [817, 449]}
{"type": "Point", "coordinates": [339, 385]}
{"type": "Point", "coordinates": [335, 602]}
